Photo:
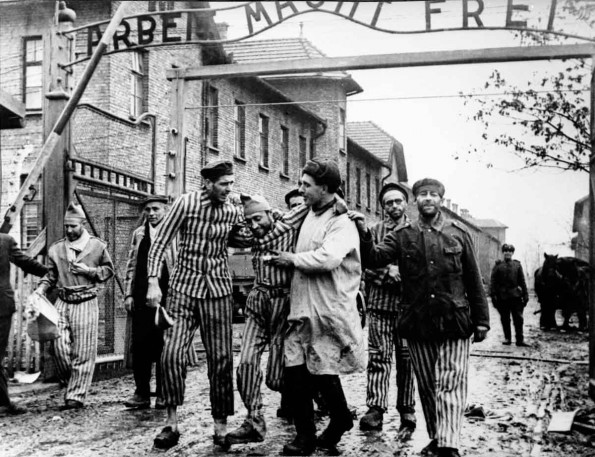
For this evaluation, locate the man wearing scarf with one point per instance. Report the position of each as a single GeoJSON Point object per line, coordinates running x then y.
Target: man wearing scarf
{"type": "Point", "coordinates": [76, 265]}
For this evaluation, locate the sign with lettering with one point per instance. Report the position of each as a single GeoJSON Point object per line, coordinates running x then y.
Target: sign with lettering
{"type": "Point", "coordinates": [251, 18]}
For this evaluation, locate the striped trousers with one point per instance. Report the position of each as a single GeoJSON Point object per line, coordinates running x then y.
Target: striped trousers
{"type": "Point", "coordinates": [442, 369]}
{"type": "Point", "coordinates": [382, 340]}
{"type": "Point", "coordinates": [266, 323]}
{"type": "Point", "coordinates": [76, 349]}
{"type": "Point", "coordinates": [214, 318]}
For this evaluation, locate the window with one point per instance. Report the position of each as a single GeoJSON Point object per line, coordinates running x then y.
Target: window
{"type": "Point", "coordinates": [212, 116]}
{"type": "Point", "coordinates": [312, 148]}
{"type": "Point", "coordinates": [31, 216]}
{"type": "Point", "coordinates": [303, 151]}
{"type": "Point", "coordinates": [342, 130]}
{"type": "Point", "coordinates": [348, 181]}
{"type": "Point", "coordinates": [263, 130]}
{"type": "Point", "coordinates": [358, 186]}
{"type": "Point", "coordinates": [32, 72]}
{"type": "Point", "coordinates": [285, 150]}
{"type": "Point", "coordinates": [137, 77]}
{"type": "Point", "coordinates": [377, 187]}
{"type": "Point", "coordinates": [163, 6]}
{"type": "Point", "coordinates": [368, 190]}
{"type": "Point", "coordinates": [240, 129]}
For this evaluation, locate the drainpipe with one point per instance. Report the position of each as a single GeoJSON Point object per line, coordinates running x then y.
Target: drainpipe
{"type": "Point", "coordinates": [153, 119]}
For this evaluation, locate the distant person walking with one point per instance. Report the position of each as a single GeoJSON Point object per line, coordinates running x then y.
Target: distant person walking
{"type": "Point", "coordinates": [10, 253]}
{"type": "Point", "coordinates": [77, 264]}
{"type": "Point", "coordinates": [509, 294]}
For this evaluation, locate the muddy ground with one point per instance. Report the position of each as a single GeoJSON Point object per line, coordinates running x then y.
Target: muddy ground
{"type": "Point", "coordinates": [518, 389]}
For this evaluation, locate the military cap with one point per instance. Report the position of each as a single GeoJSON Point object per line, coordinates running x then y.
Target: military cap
{"type": "Point", "coordinates": [74, 214]}
{"type": "Point", "coordinates": [254, 204]}
{"type": "Point", "coordinates": [428, 183]}
{"type": "Point", "coordinates": [392, 186]}
{"type": "Point", "coordinates": [324, 172]}
{"type": "Point", "coordinates": [214, 170]}
{"type": "Point", "coordinates": [156, 198]}
{"type": "Point", "coordinates": [292, 193]}
{"type": "Point", "coordinates": [507, 247]}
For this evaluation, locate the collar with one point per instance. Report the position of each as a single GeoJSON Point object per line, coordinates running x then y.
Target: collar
{"type": "Point", "coordinates": [324, 208]}
{"type": "Point", "coordinates": [437, 223]}
{"type": "Point", "coordinates": [390, 224]}
{"type": "Point", "coordinates": [79, 245]}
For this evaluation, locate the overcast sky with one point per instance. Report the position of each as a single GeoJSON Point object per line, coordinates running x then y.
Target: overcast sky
{"type": "Point", "coordinates": [536, 205]}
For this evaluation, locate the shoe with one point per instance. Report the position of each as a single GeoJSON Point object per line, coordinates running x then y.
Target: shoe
{"type": "Point", "coordinates": [138, 401]}
{"type": "Point", "coordinates": [405, 430]}
{"type": "Point", "coordinates": [220, 440]}
{"type": "Point", "coordinates": [431, 450]}
{"type": "Point", "coordinates": [15, 409]}
{"type": "Point", "coordinates": [523, 344]}
{"type": "Point", "coordinates": [331, 436]}
{"type": "Point", "coordinates": [448, 452]}
{"type": "Point", "coordinates": [300, 446]}
{"type": "Point", "coordinates": [160, 403]}
{"type": "Point", "coordinates": [284, 413]}
{"type": "Point", "coordinates": [372, 420]}
{"type": "Point", "coordinates": [168, 438]}
{"type": "Point", "coordinates": [246, 433]}
{"type": "Point", "coordinates": [506, 342]}
{"type": "Point", "coordinates": [71, 404]}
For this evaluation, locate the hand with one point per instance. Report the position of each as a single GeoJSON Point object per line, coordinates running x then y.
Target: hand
{"type": "Point", "coordinates": [480, 334]}
{"type": "Point", "coordinates": [153, 293]}
{"type": "Point", "coordinates": [40, 291]}
{"type": "Point", "coordinates": [129, 304]}
{"type": "Point", "coordinates": [282, 259]}
{"type": "Point", "coordinates": [359, 219]}
{"type": "Point", "coordinates": [393, 273]}
{"type": "Point", "coordinates": [79, 268]}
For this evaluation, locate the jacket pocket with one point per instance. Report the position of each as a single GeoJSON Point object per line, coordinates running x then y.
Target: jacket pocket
{"type": "Point", "coordinates": [452, 258]}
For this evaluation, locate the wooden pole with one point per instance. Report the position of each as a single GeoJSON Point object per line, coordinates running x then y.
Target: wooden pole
{"type": "Point", "coordinates": [53, 138]}
{"type": "Point", "coordinates": [592, 239]}
{"type": "Point", "coordinates": [175, 139]}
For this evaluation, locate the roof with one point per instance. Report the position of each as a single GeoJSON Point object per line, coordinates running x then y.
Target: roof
{"type": "Point", "coordinates": [488, 223]}
{"type": "Point", "coordinates": [273, 50]}
{"type": "Point", "coordinates": [372, 138]}
{"type": "Point", "coordinates": [12, 111]}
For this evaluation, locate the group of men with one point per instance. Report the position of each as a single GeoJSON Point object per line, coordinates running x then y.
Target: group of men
{"type": "Point", "coordinates": [425, 300]}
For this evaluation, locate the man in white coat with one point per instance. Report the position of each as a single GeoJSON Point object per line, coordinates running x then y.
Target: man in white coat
{"type": "Point", "coordinates": [325, 337]}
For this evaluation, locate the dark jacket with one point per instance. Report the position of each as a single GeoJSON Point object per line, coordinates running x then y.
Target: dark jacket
{"type": "Point", "coordinates": [9, 252]}
{"type": "Point", "coordinates": [443, 296]}
{"type": "Point", "coordinates": [508, 281]}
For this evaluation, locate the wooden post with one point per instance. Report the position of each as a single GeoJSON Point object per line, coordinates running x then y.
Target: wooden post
{"type": "Point", "coordinates": [592, 239]}
{"type": "Point", "coordinates": [175, 171]}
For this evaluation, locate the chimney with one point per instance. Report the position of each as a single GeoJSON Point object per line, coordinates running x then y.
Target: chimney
{"type": "Point", "coordinates": [465, 213]}
{"type": "Point", "coordinates": [447, 203]}
{"type": "Point", "coordinates": [222, 28]}
{"type": "Point", "coordinates": [455, 208]}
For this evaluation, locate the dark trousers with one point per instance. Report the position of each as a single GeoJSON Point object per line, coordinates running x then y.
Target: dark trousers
{"type": "Point", "coordinates": [512, 307]}
{"type": "Point", "coordinates": [301, 386]}
{"type": "Point", "coordinates": [147, 344]}
{"type": "Point", "coordinates": [5, 323]}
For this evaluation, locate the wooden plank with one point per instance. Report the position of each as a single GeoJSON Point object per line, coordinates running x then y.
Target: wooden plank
{"type": "Point", "coordinates": [38, 244]}
{"type": "Point", "coordinates": [562, 421]}
{"type": "Point", "coordinates": [376, 61]}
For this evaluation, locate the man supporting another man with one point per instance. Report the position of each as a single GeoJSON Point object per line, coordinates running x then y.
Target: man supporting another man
{"type": "Point", "coordinates": [383, 287]}
{"type": "Point", "coordinates": [76, 264]}
{"type": "Point", "coordinates": [325, 337]}
{"type": "Point", "coordinates": [443, 304]}
{"type": "Point", "coordinates": [147, 339]}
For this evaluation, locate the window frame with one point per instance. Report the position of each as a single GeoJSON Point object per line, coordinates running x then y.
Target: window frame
{"type": "Point", "coordinates": [27, 64]}
{"type": "Point", "coordinates": [137, 80]}
{"type": "Point", "coordinates": [239, 116]}
{"type": "Point", "coordinates": [342, 130]}
{"type": "Point", "coordinates": [358, 186]}
{"type": "Point", "coordinates": [302, 151]}
{"type": "Point", "coordinates": [212, 116]}
{"type": "Point", "coordinates": [284, 150]}
{"type": "Point", "coordinates": [263, 144]}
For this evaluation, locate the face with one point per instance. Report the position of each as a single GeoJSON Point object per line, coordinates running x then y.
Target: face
{"type": "Point", "coordinates": [507, 255]}
{"type": "Point", "coordinates": [296, 201]}
{"type": "Point", "coordinates": [428, 202]}
{"type": "Point", "coordinates": [312, 192]}
{"type": "Point", "coordinates": [73, 230]}
{"type": "Point", "coordinates": [154, 212]}
{"type": "Point", "coordinates": [259, 223]}
{"type": "Point", "coordinates": [219, 190]}
{"type": "Point", "coordinates": [394, 203]}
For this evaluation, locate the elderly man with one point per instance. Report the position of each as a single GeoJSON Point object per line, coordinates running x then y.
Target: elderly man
{"type": "Point", "coordinates": [10, 253]}
{"type": "Point", "coordinates": [77, 264]}
{"type": "Point", "coordinates": [443, 305]}
{"type": "Point", "coordinates": [199, 296]}
{"type": "Point", "coordinates": [325, 337]}
{"type": "Point", "coordinates": [147, 339]}
{"type": "Point", "coordinates": [383, 288]}
{"type": "Point", "coordinates": [508, 290]}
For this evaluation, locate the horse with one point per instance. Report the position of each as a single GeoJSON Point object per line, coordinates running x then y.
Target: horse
{"type": "Point", "coordinates": [562, 283]}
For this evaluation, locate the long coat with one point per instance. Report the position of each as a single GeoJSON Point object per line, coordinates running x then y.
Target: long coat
{"type": "Point", "coordinates": [9, 252]}
{"type": "Point", "coordinates": [324, 325]}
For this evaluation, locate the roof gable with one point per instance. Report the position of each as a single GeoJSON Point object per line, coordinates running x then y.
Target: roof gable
{"type": "Point", "coordinates": [372, 138]}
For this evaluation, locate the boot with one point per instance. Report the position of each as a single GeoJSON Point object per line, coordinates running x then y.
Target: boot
{"type": "Point", "coordinates": [299, 382]}
{"type": "Point", "coordinates": [372, 420]}
{"type": "Point", "coordinates": [341, 419]}
{"type": "Point", "coordinates": [300, 446]}
{"type": "Point", "coordinates": [253, 430]}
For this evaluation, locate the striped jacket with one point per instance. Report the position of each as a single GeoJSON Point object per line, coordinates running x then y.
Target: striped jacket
{"type": "Point", "coordinates": [202, 230]}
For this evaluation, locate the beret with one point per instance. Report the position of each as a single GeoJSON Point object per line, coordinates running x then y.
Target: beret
{"type": "Point", "coordinates": [292, 193]}
{"type": "Point", "coordinates": [324, 172]}
{"type": "Point", "coordinates": [507, 247]}
{"type": "Point", "coordinates": [393, 186]}
{"type": "Point", "coordinates": [254, 204]}
{"type": "Point", "coordinates": [431, 183]}
{"type": "Point", "coordinates": [156, 198]}
{"type": "Point", "coordinates": [214, 170]}
{"type": "Point", "coordinates": [74, 213]}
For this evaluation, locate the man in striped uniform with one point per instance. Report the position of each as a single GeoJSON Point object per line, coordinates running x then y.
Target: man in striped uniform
{"type": "Point", "coordinates": [266, 311]}
{"type": "Point", "coordinates": [199, 295]}
{"type": "Point", "coordinates": [76, 265]}
{"type": "Point", "coordinates": [443, 305]}
{"type": "Point", "coordinates": [384, 292]}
